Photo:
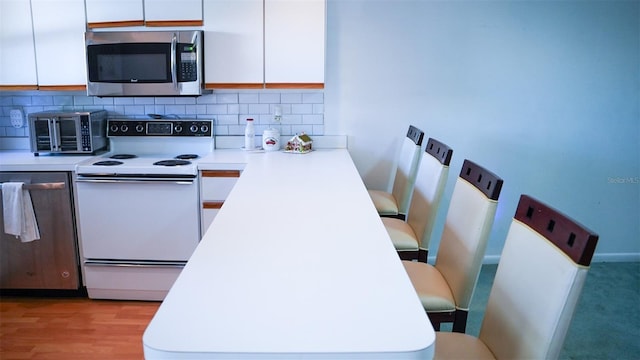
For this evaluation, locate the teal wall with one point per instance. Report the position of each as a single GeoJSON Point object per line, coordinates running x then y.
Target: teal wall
{"type": "Point", "coordinates": [543, 93]}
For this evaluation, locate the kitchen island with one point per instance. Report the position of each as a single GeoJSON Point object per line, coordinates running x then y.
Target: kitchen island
{"type": "Point", "coordinates": [296, 264]}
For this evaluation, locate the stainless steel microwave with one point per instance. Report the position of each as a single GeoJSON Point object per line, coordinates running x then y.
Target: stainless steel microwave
{"type": "Point", "coordinates": [145, 63]}
{"type": "Point", "coordinates": [69, 132]}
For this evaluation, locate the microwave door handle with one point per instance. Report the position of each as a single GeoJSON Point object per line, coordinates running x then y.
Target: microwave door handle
{"type": "Point", "coordinates": [174, 62]}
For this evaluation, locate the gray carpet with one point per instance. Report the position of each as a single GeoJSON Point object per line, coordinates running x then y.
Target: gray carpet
{"type": "Point", "coordinates": [606, 324]}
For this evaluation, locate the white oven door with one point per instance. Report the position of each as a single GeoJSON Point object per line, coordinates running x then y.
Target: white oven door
{"type": "Point", "coordinates": [138, 219]}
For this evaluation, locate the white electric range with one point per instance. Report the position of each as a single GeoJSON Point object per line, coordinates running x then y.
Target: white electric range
{"type": "Point", "coordinates": [138, 207]}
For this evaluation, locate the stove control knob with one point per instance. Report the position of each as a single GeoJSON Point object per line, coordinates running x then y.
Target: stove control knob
{"type": "Point", "coordinates": [114, 128]}
{"type": "Point", "coordinates": [124, 128]}
{"type": "Point", "coordinates": [139, 128]}
{"type": "Point", "coordinates": [178, 128]}
{"type": "Point", "coordinates": [204, 128]}
{"type": "Point", "coordinates": [193, 128]}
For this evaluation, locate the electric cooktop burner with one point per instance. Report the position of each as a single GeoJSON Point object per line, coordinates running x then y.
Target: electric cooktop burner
{"type": "Point", "coordinates": [123, 156]}
{"type": "Point", "coordinates": [172, 162]}
{"type": "Point", "coordinates": [187, 156]}
{"type": "Point", "coordinates": [108, 163]}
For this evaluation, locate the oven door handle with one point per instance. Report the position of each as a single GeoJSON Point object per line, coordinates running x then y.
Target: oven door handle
{"type": "Point", "coordinates": [136, 181]}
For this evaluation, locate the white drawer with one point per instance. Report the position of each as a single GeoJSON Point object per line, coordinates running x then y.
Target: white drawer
{"type": "Point", "coordinates": [217, 184]}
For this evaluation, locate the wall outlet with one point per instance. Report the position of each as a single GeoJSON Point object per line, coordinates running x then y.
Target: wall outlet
{"type": "Point", "coordinates": [17, 119]}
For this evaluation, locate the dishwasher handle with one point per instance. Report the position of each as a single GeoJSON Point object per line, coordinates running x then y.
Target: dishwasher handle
{"type": "Point", "coordinates": [45, 186]}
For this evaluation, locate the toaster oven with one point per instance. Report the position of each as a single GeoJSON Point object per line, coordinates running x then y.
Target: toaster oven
{"type": "Point", "coordinates": [75, 132]}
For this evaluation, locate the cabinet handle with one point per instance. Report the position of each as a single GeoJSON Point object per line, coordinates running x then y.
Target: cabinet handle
{"type": "Point", "coordinates": [221, 173]}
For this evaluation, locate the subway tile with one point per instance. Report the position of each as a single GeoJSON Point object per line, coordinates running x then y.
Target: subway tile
{"type": "Point", "coordinates": [236, 129]}
{"type": "Point", "coordinates": [233, 108]}
{"type": "Point", "coordinates": [22, 100]}
{"type": "Point", "coordinates": [291, 119]}
{"type": "Point", "coordinates": [174, 110]}
{"type": "Point", "coordinates": [103, 101]}
{"type": "Point", "coordinates": [155, 109]}
{"type": "Point", "coordinates": [243, 108]}
{"type": "Point", "coordinates": [134, 110]}
{"type": "Point", "coordinates": [195, 109]}
{"type": "Point", "coordinates": [312, 119]}
{"type": "Point", "coordinates": [207, 99]}
{"type": "Point", "coordinates": [259, 108]}
{"type": "Point", "coordinates": [227, 98]}
{"type": "Point", "coordinates": [221, 130]}
{"type": "Point", "coordinates": [270, 98]}
{"type": "Point", "coordinates": [123, 101]}
{"type": "Point", "coordinates": [217, 109]}
{"type": "Point", "coordinates": [315, 97]}
{"type": "Point", "coordinates": [185, 100]}
{"type": "Point", "coordinates": [291, 98]}
{"type": "Point", "coordinates": [299, 129]}
{"type": "Point", "coordinates": [226, 120]}
{"type": "Point", "coordinates": [301, 109]}
{"type": "Point", "coordinates": [250, 98]}
{"type": "Point", "coordinates": [63, 100]}
{"type": "Point", "coordinates": [82, 100]}
{"type": "Point", "coordinates": [144, 101]}
{"type": "Point", "coordinates": [164, 100]}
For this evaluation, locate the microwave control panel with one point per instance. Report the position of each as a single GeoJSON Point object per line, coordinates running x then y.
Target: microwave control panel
{"type": "Point", "coordinates": [188, 68]}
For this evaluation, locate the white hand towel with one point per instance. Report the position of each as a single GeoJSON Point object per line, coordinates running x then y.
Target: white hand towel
{"type": "Point", "coordinates": [17, 210]}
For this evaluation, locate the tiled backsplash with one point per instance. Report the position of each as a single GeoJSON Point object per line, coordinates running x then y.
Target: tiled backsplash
{"type": "Point", "coordinates": [302, 111]}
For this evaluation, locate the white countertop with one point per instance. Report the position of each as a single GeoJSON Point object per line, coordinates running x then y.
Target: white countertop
{"type": "Point", "coordinates": [24, 160]}
{"type": "Point", "coordinates": [296, 264]}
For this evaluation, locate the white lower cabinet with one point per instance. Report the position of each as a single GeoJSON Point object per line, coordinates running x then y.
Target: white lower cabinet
{"type": "Point", "coordinates": [215, 186]}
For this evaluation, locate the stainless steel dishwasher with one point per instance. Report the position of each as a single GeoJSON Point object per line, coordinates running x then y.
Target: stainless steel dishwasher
{"type": "Point", "coordinates": [50, 263]}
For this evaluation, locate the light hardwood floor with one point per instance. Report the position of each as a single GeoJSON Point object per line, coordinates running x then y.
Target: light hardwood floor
{"type": "Point", "coordinates": [72, 328]}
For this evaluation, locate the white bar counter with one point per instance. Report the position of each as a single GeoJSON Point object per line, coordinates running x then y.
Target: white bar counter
{"type": "Point", "coordinates": [296, 264]}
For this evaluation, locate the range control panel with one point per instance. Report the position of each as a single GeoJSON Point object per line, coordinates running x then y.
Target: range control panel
{"type": "Point", "coordinates": [160, 128]}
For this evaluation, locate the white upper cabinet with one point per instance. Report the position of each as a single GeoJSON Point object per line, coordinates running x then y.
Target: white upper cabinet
{"type": "Point", "coordinates": [58, 28]}
{"type": "Point", "coordinates": [264, 43]}
{"type": "Point", "coordinates": [17, 54]}
{"type": "Point", "coordinates": [115, 11]}
{"type": "Point", "coordinates": [294, 33]}
{"type": "Point", "coordinates": [172, 10]}
{"type": "Point", "coordinates": [233, 43]}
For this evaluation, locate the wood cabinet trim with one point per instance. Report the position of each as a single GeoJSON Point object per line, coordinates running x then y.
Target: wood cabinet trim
{"type": "Point", "coordinates": [18, 87]}
{"type": "Point", "coordinates": [169, 23]}
{"type": "Point", "coordinates": [212, 204]}
{"type": "Point", "coordinates": [294, 85]}
{"type": "Point", "coordinates": [221, 173]}
{"type": "Point", "coordinates": [234, 86]}
{"type": "Point", "coordinates": [113, 24]}
{"type": "Point", "coordinates": [63, 87]}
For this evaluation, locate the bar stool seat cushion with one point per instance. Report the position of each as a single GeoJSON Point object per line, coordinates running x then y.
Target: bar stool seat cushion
{"type": "Point", "coordinates": [401, 234]}
{"type": "Point", "coordinates": [431, 287]}
{"type": "Point", "coordinates": [385, 202]}
{"type": "Point", "coordinates": [452, 345]}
